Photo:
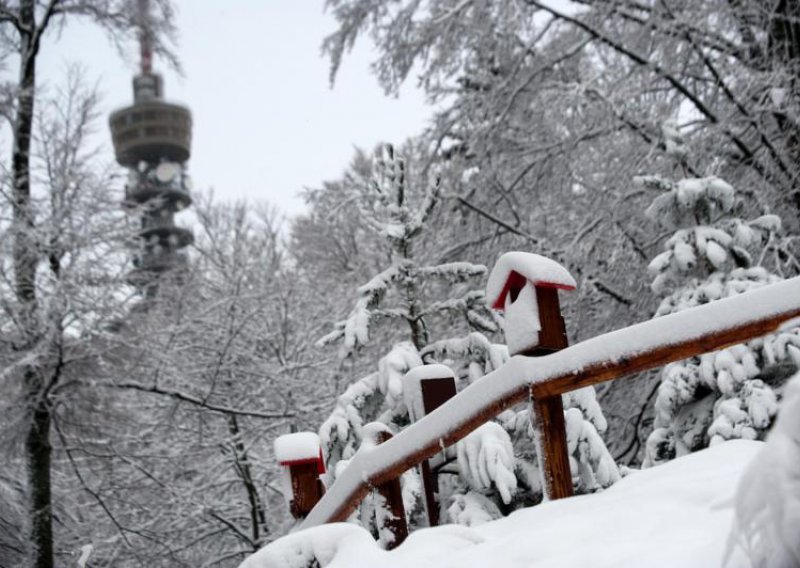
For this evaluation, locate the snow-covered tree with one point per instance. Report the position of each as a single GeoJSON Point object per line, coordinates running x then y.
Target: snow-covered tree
{"type": "Point", "coordinates": [399, 212]}
{"type": "Point", "coordinates": [766, 526]}
{"type": "Point", "coordinates": [713, 254]}
{"type": "Point", "coordinates": [497, 469]}
{"type": "Point", "coordinates": [548, 111]}
{"type": "Point", "coordinates": [35, 281]}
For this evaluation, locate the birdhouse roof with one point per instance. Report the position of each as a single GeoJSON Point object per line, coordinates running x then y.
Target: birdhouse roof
{"type": "Point", "coordinates": [541, 271]}
{"type": "Point", "coordinates": [297, 448]}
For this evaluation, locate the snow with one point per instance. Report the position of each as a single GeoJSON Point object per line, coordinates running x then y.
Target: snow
{"type": "Point", "coordinates": [520, 372]}
{"type": "Point", "coordinates": [296, 447]}
{"type": "Point", "coordinates": [767, 513]}
{"type": "Point", "coordinates": [521, 324]}
{"type": "Point", "coordinates": [536, 268]}
{"type": "Point", "coordinates": [472, 509]}
{"type": "Point", "coordinates": [677, 514]}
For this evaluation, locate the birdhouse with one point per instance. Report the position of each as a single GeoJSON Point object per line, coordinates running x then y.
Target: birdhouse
{"type": "Point", "coordinates": [300, 454]}
{"type": "Point", "coordinates": [524, 286]}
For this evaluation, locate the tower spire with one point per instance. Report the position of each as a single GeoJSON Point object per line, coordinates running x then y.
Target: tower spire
{"type": "Point", "coordinates": [152, 139]}
{"type": "Point", "coordinates": [145, 37]}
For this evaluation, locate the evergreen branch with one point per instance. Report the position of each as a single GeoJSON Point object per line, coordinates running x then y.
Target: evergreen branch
{"type": "Point", "coordinates": [453, 270]}
{"type": "Point", "coordinates": [425, 209]}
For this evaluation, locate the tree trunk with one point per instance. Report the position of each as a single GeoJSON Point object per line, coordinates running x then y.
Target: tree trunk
{"type": "Point", "coordinates": [25, 253]}
{"type": "Point", "coordinates": [38, 449]}
{"type": "Point", "coordinates": [258, 516]}
{"type": "Point", "coordinates": [25, 258]}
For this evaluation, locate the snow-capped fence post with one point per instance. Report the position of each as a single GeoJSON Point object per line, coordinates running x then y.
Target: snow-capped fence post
{"type": "Point", "coordinates": [525, 287]}
{"type": "Point", "coordinates": [300, 454]}
{"type": "Point", "coordinates": [425, 389]}
{"type": "Point", "coordinates": [390, 513]}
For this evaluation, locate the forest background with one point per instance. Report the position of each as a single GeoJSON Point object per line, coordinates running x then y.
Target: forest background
{"type": "Point", "coordinates": [150, 443]}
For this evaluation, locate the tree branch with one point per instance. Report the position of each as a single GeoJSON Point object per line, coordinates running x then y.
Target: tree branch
{"type": "Point", "coordinates": [495, 220]}
{"type": "Point", "coordinates": [637, 58]}
{"type": "Point", "coordinates": [154, 389]}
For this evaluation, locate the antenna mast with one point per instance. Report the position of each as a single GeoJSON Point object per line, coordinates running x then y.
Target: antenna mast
{"type": "Point", "coordinates": [145, 37]}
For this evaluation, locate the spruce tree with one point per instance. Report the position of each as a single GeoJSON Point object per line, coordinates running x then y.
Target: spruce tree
{"type": "Point", "coordinates": [713, 254]}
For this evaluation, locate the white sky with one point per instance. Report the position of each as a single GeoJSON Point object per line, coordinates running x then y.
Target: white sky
{"type": "Point", "coordinates": [266, 123]}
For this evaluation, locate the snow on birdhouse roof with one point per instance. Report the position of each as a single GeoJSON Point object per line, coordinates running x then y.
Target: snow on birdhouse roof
{"type": "Point", "coordinates": [540, 270]}
{"type": "Point", "coordinates": [299, 447]}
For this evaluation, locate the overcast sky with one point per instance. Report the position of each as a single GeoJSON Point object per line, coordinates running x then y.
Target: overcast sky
{"type": "Point", "coordinates": [266, 122]}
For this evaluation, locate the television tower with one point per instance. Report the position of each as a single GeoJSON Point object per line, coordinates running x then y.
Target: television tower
{"type": "Point", "coordinates": [152, 139]}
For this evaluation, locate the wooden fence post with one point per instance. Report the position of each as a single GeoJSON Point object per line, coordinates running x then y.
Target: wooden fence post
{"type": "Point", "coordinates": [551, 435]}
{"type": "Point", "coordinates": [390, 513]}
{"type": "Point", "coordinates": [548, 411]}
{"type": "Point", "coordinates": [425, 389]}
{"type": "Point", "coordinates": [516, 280]}
{"type": "Point", "coordinates": [301, 456]}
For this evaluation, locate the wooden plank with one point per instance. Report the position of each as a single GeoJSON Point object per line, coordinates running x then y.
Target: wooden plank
{"type": "Point", "coordinates": [552, 444]}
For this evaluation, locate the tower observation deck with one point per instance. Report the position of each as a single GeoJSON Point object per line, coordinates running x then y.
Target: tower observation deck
{"type": "Point", "coordinates": [152, 139]}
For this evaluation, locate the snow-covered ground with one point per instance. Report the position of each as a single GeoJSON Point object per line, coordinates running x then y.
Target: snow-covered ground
{"type": "Point", "coordinates": [677, 514]}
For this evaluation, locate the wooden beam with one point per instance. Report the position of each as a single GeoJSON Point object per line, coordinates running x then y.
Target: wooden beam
{"type": "Point", "coordinates": [608, 370]}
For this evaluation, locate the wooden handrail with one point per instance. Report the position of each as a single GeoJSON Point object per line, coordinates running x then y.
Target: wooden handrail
{"type": "Point", "coordinates": [622, 352]}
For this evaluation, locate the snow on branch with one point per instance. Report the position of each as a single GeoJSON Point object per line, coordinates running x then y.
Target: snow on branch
{"type": "Point", "coordinates": [453, 271]}
{"type": "Point", "coordinates": [355, 329]}
{"type": "Point", "coordinates": [486, 460]}
{"type": "Point", "coordinates": [426, 208]}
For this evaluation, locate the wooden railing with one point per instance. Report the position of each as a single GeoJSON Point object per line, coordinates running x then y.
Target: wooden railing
{"type": "Point", "coordinates": [544, 379]}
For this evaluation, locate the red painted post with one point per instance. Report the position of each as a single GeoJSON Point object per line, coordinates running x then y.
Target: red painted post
{"type": "Point", "coordinates": [301, 456]}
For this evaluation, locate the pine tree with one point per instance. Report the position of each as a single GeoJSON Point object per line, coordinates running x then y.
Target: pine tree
{"type": "Point", "coordinates": [497, 465]}
{"type": "Point", "coordinates": [397, 212]}
{"type": "Point", "coordinates": [713, 254]}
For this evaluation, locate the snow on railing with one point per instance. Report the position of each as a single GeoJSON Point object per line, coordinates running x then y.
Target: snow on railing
{"type": "Point", "coordinates": [626, 351]}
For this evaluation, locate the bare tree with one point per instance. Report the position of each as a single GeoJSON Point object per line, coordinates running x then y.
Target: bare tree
{"type": "Point", "coordinates": [24, 26]}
